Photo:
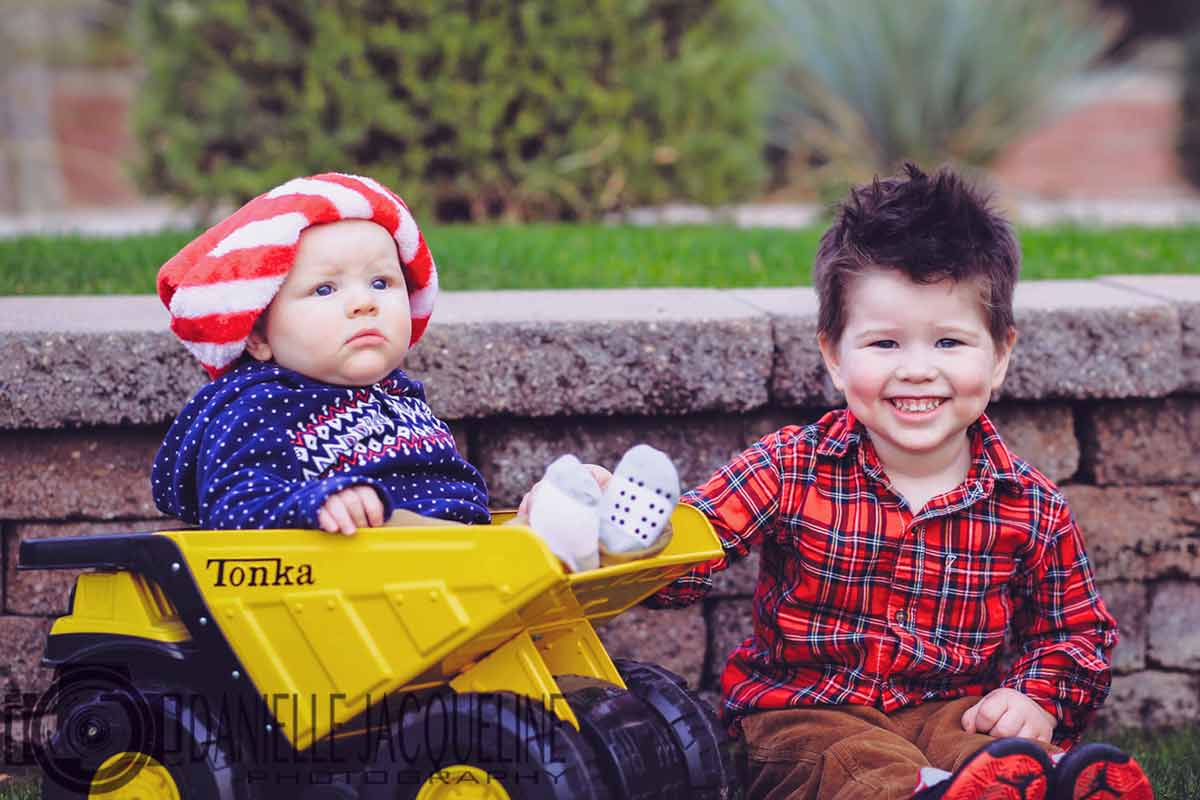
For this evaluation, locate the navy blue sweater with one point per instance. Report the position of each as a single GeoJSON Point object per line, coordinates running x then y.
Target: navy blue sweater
{"type": "Point", "coordinates": [263, 447]}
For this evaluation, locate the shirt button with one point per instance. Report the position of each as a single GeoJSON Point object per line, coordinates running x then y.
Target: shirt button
{"type": "Point", "coordinates": [900, 617]}
{"type": "Point", "coordinates": [920, 529]}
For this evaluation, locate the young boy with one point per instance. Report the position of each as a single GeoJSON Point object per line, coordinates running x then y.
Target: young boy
{"type": "Point", "coordinates": [902, 541]}
{"type": "Point", "coordinates": [302, 306]}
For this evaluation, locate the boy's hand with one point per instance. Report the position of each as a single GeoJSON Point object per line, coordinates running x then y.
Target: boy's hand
{"type": "Point", "coordinates": [601, 475]}
{"type": "Point", "coordinates": [1007, 712]}
{"type": "Point", "coordinates": [350, 509]}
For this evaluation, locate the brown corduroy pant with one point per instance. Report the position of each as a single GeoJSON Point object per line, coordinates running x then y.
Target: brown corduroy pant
{"type": "Point", "coordinates": [854, 752]}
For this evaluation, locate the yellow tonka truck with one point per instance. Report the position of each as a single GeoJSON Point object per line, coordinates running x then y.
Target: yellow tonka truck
{"type": "Point", "coordinates": [423, 662]}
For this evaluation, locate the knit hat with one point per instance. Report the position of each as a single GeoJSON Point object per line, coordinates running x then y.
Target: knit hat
{"type": "Point", "coordinates": [217, 286]}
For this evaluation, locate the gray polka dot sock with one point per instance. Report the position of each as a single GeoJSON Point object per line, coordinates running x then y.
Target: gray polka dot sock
{"type": "Point", "coordinates": [638, 502]}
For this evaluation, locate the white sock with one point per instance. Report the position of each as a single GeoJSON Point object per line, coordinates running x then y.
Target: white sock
{"type": "Point", "coordinates": [638, 502]}
{"type": "Point", "coordinates": [563, 512]}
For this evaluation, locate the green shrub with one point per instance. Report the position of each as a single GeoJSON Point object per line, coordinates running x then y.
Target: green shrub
{"type": "Point", "coordinates": [869, 83]}
{"type": "Point", "coordinates": [1189, 116]}
{"type": "Point", "coordinates": [469, 108]}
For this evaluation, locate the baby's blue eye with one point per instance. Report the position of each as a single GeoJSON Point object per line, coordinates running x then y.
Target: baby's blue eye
{"type": "Point", "coordinates": [324, 290]}
{"type": "Point", "coordinates": [885, 344]}
{"type": "Point", "coordinates": [380, 283]}
{"type": "Point", "coordinates": [948, 342]}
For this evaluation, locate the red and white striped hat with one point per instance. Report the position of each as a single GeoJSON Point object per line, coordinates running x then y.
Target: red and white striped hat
{"type": "Point", "coordinates": [219, 284]}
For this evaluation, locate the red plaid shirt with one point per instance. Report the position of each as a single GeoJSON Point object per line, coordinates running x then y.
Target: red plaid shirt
{"type": "Point", "coordinates": [860, 602]}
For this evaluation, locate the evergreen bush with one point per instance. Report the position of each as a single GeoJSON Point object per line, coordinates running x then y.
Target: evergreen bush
{"type": "Point", "coordinates": [1189, 111]}
{"type": "Point", "coordinates": [471, 109]}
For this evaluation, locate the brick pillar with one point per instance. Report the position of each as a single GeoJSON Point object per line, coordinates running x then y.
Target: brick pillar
{"type": "Point", "coordinates": [30, 179]}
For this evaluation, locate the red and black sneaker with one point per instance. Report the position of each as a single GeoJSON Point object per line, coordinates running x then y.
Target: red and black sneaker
{"type": "Point", "coordinates": [1100, 772]}
{"type": "Point", "coordinates": [1006, 769]}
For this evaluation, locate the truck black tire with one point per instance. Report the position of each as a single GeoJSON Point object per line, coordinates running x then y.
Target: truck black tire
{"type": "Point", "coordinates": [113, 732]}
{"type": "Point", "coordinates": [634, 748]}
{"type": "Point", "coordinates": [457, 739]}
{"type": "Point", "coordinates": [706, 748]}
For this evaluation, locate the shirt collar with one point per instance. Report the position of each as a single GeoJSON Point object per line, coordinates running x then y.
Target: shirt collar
{"type": "Point", "coordinates": [991, 456]}
{"type": "Point", "coordinates": [842, 432]}
{"type": "Point", "coordinates": [991, 460]}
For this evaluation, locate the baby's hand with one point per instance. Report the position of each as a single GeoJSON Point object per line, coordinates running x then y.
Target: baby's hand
{"type": "Point", "coordinates": [350, 509]}
{"type": "Point", "coordinates": [601, 475]}
{"type": "Point", "coordinates": [1007, 712]}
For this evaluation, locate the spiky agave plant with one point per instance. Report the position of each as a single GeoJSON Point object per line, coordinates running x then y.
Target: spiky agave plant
{"type": "Point", "coordinates": [867, 83]}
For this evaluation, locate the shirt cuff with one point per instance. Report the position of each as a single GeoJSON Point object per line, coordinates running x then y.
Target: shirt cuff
{"type": "Point", "coordinates": [1070, 691]}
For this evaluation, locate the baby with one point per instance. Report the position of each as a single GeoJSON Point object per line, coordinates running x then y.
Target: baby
{"type": "Point", "coordinates": [302, 306]}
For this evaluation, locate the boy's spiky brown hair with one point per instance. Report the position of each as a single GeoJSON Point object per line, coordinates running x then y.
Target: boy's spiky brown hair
{"type": "Point", "coordinates": [929, 228]}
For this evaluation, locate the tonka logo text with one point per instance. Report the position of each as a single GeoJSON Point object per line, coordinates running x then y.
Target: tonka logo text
{"type": "Point", "coordinates": [259, 572]}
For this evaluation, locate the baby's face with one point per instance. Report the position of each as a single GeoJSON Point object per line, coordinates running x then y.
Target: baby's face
{"type": "Point", "coordinates": [917, 363]}
{"type": "Point", "coordinates": [342, 316]}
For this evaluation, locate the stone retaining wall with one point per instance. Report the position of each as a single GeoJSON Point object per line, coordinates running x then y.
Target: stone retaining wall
{"type": "Point", "coordinates": [1103, 395]}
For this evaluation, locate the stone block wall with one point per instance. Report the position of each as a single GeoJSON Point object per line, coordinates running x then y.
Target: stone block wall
{"type": "Point", "coordinates": [1103, 396]}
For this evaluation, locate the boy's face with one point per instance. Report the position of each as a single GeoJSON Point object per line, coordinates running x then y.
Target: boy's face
{"type": "Point", "coordinates": [342, 315]}
{"type": "Point", "coordinates": [916, 362]}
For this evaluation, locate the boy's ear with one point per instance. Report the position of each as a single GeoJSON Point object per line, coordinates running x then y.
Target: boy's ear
{"type": "Point", "coordinates": [829, 355]}
{"type": "Point", "coordinates": [256, 345]}
{"type": "Point", "coordinates": [1003, 356]}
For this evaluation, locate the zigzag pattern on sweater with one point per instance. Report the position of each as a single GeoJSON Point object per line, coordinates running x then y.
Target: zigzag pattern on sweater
{"type": "Point", "coordinates": [355, 430]}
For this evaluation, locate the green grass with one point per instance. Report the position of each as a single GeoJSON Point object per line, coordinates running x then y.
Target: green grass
{"type": "Point", "coordinates": [594, 256]}
{"type": "Point", "coordinates": [1170, 758]}
{"type": "Point", "coordinates": [20, 789]}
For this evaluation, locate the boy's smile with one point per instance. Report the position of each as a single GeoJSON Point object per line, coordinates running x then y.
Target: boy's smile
{"type": "Point", "coordinates": [917, 365]}
{"type": "Point", "coordinates": [342, 316]}
{"type": "Point", "coordinates": [917, 405]}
